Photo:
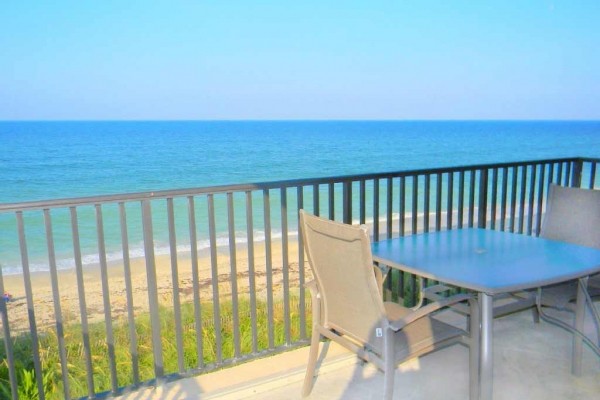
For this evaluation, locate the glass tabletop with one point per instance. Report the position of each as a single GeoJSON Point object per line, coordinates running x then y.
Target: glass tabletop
{"type": "Point", "coordinates": [488, 261]}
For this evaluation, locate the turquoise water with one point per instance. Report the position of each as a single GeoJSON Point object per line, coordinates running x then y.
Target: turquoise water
{"type": "Point", "coordinates": [48, 160]}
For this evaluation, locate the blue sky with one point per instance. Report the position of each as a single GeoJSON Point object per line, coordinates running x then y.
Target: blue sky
{"type": "Point", "coordinates": [299, 60]}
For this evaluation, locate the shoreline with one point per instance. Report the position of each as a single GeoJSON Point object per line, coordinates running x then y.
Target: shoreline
{"type": "Point", "coordinates": [69, 296]}
{"type": "Point", "coordinates": [203, 250]}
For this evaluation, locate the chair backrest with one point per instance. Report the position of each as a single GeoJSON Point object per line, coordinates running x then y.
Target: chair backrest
{"type": "Point", "coordinates": [341, 261]}
{"type": "Point", "coordinates": [572, 215]}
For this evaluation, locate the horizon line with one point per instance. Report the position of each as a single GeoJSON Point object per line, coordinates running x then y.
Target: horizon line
{"type": "Point", "coordinates": [311, 120]}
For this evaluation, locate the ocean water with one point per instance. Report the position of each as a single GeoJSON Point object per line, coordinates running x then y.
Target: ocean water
{"type": "Point", "coordinates": [49, 160]}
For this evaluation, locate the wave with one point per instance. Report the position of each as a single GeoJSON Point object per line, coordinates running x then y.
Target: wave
{"type": "Point", "coordinates": [163, 248]}
{"type": "Point", "coordinates": [137, 251]}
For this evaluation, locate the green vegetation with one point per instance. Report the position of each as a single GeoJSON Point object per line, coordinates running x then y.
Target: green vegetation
{"type": "Point", "coordinates": [50, 360]}
{"type": "Point", "coordinates": [52, 376]}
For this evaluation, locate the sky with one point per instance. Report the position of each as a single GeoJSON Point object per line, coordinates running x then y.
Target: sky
{"type": "Point", "coordinates": [310, 59]}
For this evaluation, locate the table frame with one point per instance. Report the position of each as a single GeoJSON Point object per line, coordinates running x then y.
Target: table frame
{"type": "Point", "coordinates": [481, 385]}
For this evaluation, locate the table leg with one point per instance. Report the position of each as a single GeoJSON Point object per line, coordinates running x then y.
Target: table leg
{"type": "Point", "coordinates": [487, 351]}
{"type": "Point", "coordinates": [579, 322]}
{"type": "Point", "coordinates": [474, 350]}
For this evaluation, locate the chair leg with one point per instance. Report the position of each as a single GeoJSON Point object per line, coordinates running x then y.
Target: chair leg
{"type": "Point", "coordinates": [312, 363]}
{"type": "Point", "coordinates": [388, 362]}
{"type": "Point", "coordinates": [537, 306]}
{"type": "Point", "coordinates": [596, 320]}
{"type": "Point", "coordinates": [536, 315]}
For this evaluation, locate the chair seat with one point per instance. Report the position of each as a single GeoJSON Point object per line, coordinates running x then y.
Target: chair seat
{"type": "Point", "coordinates": [559, 296]}
{"type": "Point", "coordinates": [594, 283]}
{"type": "Point", "coordinates": [562, 295]}
{"type": "Point", "coordinates": [420, 336]}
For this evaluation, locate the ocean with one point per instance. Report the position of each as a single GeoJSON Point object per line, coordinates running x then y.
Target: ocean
{"type": "Point", "coordinates": [50, 160]}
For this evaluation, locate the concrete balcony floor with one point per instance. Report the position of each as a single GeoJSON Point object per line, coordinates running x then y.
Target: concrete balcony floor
{"type": "Point", "coordinates": [531, 361]}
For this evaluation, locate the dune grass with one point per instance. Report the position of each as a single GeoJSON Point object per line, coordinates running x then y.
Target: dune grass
{"type": "Point", "coordinates": [49, 353]}
{"type": "Point", "coordinates": [52, 377]}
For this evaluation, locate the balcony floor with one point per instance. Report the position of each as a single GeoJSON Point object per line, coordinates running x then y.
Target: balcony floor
{"type": "Point", "coordinates": [532, 361]}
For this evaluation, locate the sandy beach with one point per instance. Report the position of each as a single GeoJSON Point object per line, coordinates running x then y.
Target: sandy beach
{"type": "Point", "coordinates": [69, 297]}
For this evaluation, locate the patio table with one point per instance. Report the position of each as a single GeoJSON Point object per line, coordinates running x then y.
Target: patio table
{"type": "Point", "coordinates": [491, 263]}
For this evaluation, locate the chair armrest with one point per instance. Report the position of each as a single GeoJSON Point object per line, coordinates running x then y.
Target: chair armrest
{"type": "Point", "coordinates": [428, 309]}
{"type": "Point", "coordinates": [431, 293]}
{"type": "Point", "coordinates": [434, 290]}
{"type": "Point", "coordinates": [312, 286]}
{"type": "Point", "coordinates": [316, 302]}
{"type": "Point", "coordinates": [421, 290]}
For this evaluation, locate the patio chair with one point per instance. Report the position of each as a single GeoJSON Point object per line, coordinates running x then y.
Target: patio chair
{"type": "Point", "coordinates": [573, 216]}
{"type": "Point", "coordinates": [348, 307]}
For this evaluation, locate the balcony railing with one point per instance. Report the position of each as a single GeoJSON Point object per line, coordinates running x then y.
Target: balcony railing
{"type": "Point", "coordinates": [222, 267]}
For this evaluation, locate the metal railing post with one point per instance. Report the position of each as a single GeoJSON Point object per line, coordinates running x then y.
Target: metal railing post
{"type": "Point", "coordinates": [33, 330]}
{"type": "Point", "coordinates": [576, 173]}
{"type": "Point", "coordinates": [8, 345]}
{"type": "Point", "coordinates": [482, 207]}
{"type": "Point", "coordinates": [152, 289]}
{"type": "Point", "coordinates": [347, 202]}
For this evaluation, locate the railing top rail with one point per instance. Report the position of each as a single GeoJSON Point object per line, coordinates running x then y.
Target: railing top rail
{"type": "Point", "coordinates": [161, 194]}
{"type": "Point", "coordinates": [589, 159]}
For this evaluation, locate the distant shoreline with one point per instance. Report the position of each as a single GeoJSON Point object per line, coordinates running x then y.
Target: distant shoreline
{"type": "Point", "coordinates": [69, 298]}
